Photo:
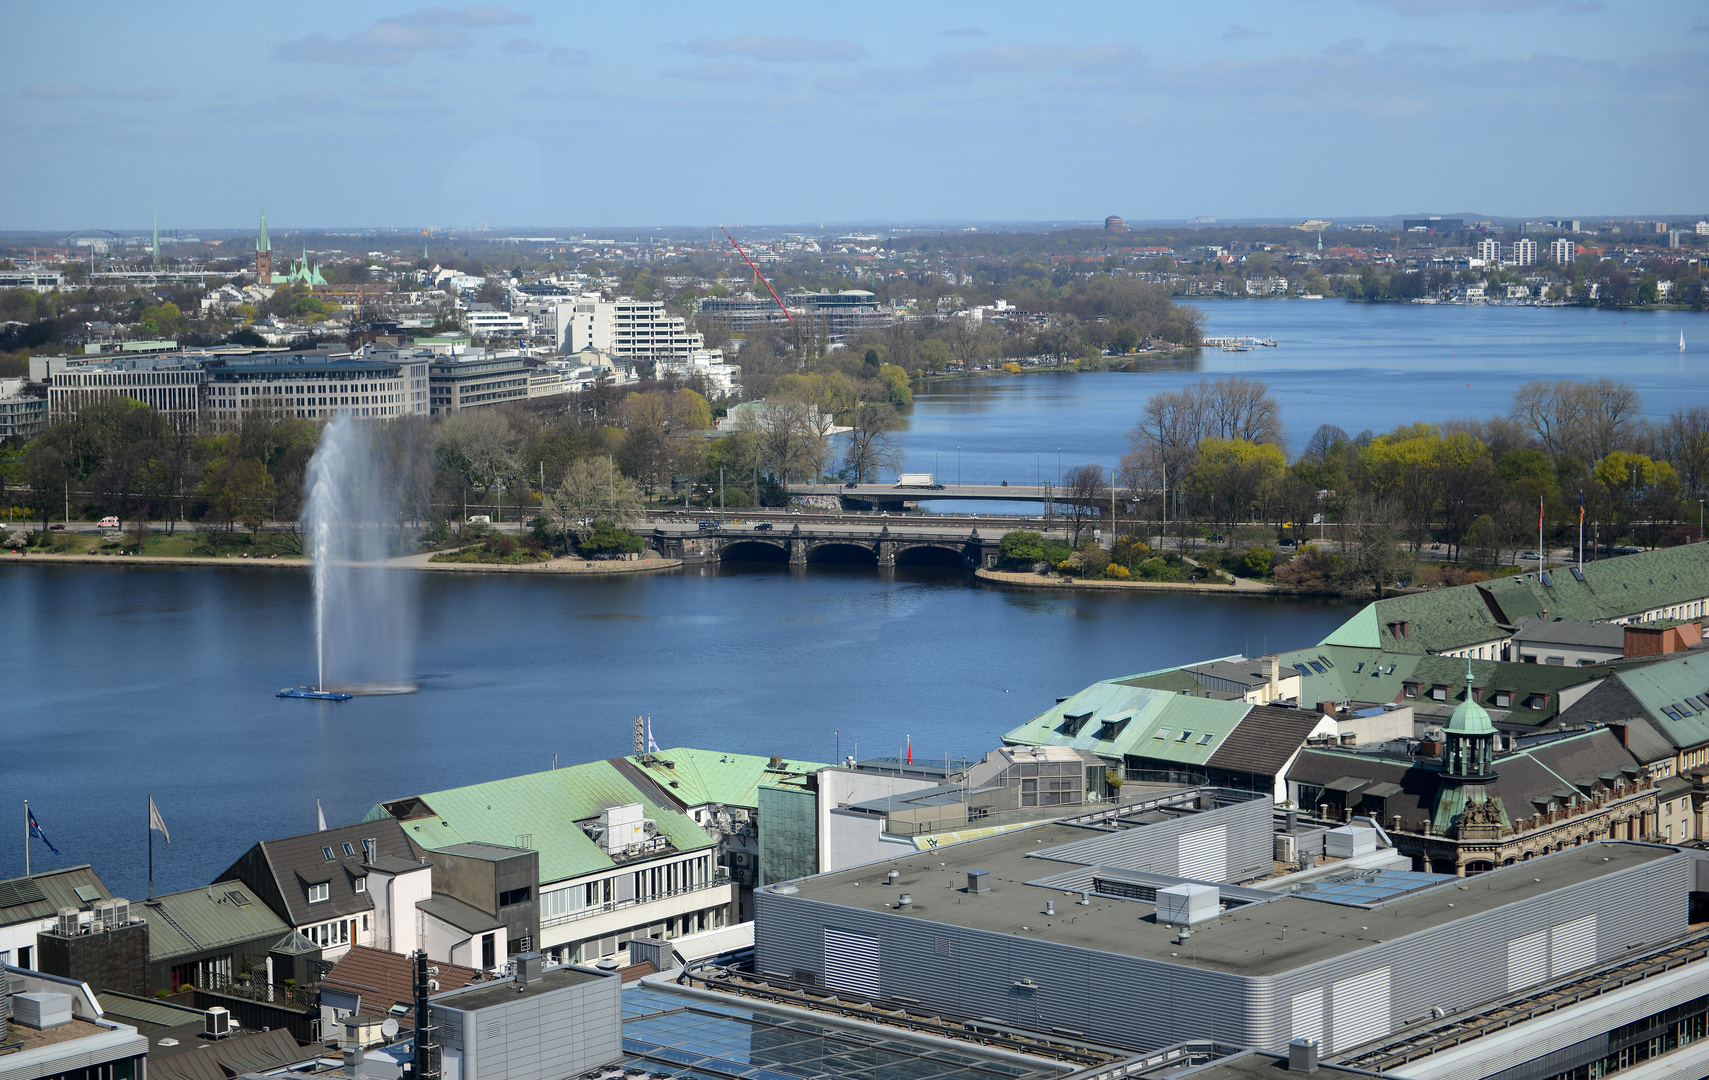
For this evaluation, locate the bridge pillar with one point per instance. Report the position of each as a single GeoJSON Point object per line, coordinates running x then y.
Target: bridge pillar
{"type": "Point", "coordinates": [798, 551]}
{"type": "Point", "coordinates": [886, 553]}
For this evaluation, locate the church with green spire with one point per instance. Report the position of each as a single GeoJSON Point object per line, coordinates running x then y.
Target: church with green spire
{"type": "Point", "coordinates": [302, 273]}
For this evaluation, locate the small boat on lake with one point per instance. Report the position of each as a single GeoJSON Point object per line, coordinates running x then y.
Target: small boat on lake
{"type": "Point", "coordinates": [313, 694]}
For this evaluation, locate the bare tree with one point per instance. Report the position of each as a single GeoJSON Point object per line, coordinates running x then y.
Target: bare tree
{"type": "Point", "coordinates": [1584, 421]}
{"type": "Point", "coordinates": [1085, 492]}
{"type": "Point", "coordinates": [870, 450]}
{"type": "Point", "coordinates": [593, 490]}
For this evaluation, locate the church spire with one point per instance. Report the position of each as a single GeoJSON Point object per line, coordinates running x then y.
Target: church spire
{"type": "Point", "coordinates": [157, 238]}
{"type": "Point", "coordinates": [261, 241]}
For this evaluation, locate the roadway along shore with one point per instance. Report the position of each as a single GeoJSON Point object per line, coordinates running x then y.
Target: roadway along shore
{"type": "Point", "coordinates": [406, 562]}
{"type": "Point", "coordinates": [1030, 580]}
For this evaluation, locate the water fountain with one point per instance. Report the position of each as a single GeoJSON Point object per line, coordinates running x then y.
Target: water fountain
{"type": "Point", "coordinates": [363, 611]}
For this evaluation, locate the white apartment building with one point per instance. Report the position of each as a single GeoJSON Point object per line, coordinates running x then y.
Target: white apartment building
{"type": "Point", "coordinates": [1563, 251]}
{"type": "Point", "coordinates": [1524, 253]}
{"type": "Point", "coordinates": [638, 330]}
{"type": "Point", "coordinates": [1489, 251]}
{"type": "Point", "coordinates": [484, 320]}
{"type": "Point", "coordinates": [705, 364]}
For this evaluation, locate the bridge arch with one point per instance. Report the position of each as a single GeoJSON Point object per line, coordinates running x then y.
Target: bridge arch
{"type": "Point", "coordinates": [755, 550]}
{"type": "Point", "coordinates": [929, 554]}
{"type": "Point", "coordinates": [843, 552]}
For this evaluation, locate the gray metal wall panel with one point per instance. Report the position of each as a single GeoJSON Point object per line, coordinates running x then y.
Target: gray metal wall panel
{"type": "Point", "coordinates": [1155, 848]}
{"type": "Point", "coordinates": [1149, 1004]}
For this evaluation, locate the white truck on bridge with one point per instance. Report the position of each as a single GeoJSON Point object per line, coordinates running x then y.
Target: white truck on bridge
{"type": "Point", "coordinates": [917, 480]}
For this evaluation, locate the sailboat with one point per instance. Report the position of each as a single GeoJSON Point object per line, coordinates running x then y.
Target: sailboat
{"type": "Point", "coordinates": [1682, 341]}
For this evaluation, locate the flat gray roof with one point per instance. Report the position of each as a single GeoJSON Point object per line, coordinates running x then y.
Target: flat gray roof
{"type": "Point", "coordinates": [1246, 940]}
{"type": "Point", "coordinates": [483, 995]}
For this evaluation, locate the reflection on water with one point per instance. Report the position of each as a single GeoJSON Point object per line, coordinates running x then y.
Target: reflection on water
{"type": "Point", "coordinates": [511, 669]}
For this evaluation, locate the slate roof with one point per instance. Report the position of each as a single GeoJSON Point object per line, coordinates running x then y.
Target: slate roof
{"type": "Point", "coordinates": [1265, 739]}
{"type": "Point", "coordinates": [41, 895]}
{"type": "Point", "coordinates": [385, 979]}
{"type": "Point", "coordinates": [221, 1059]}
{"type": "Point", "coordinates": [1442, 620]}
{"type": "Point", "coordinates": [1525, 782]}
{"type": "Point", "coordinates": [549, 806]}
{"type": "Point", "coordinates": [150, 1016]}
{"type": "Point", "coordinates": [296, 862]}
{"type": "Point", "coordinates": [1595, 635]}
{"type": "Point", "coordinates": [1664, 706]}
{"type": "Point", "coordinates": [197, 920]}
{"type": "Point", "coordinates": [690, 777]}
{"type": "Point", "coordinates": [465, 917]}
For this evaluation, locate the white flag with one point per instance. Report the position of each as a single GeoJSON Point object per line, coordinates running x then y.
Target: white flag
{"type": "Point", "coordinates": [155, 821]}
{"type": "Point", "coordinates": [652, 747]}
{"type": "Point", "coordinates": [321, 814]}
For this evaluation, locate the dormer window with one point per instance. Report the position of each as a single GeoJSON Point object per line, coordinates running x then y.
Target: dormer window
{"type": "Point", "coordinates": [320, 892]}
{"type": "Point", "coordinates": [1503, 699]}
{"type": "Point", "coordinates": [362, 884]}
{"type": "Point", "coordinates": [1439, 693]}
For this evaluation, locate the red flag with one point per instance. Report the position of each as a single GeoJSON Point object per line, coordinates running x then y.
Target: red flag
{"type": "Point", "coordinates": [1539, 514]}
{"type": "Point", "coordinates": [910, 749]}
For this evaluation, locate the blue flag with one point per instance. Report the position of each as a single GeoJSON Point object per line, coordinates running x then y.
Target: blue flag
{"type": "Point", "coordinates": [36, 833]}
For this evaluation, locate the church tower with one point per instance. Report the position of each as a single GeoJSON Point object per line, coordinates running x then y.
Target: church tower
{"type": "Point", "coordinates": [1471, 740]}
{"type": "Point", "coordinates": [263, 254]}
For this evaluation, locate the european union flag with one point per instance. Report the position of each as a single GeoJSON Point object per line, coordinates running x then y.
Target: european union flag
{"type": "Point", "coordinates": [36, 833]}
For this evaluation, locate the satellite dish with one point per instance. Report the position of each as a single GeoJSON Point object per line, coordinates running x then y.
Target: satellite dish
{"type": "Point", "coordinates": [389, 1029]}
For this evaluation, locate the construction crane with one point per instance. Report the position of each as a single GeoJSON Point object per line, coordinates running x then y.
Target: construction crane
{"type": "Point", "coordinates": [759, 275]}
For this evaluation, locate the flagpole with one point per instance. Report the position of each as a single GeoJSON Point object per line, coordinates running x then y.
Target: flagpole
{"type": "Point", "coordinates": [26, 838]}
{"type": "Point", "coordinates": [1540, 562]}
{"type": "Point", "coordinates": [151, 847]}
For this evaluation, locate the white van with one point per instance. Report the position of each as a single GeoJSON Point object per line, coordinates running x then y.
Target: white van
{"type": "Point", "coordinates": [480, 519]}
{"type": "Point", "coordinates": [108, 522]}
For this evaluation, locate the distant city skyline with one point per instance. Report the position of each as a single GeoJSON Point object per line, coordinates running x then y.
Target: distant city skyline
{"type": "Point", "coordinates": [352, 116]}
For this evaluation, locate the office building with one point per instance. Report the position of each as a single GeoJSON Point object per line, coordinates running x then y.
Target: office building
{"type": "Point", "coordinates": [1563, 251]}
{"type": "Point", "coordinates": [474, 378]}
{"type": "Point", "coordinates": [1061, 928]}
{"type": "Point", "coordinates": [23, 410]}
{"type": "Point", "coordinates": [544, 1024]}
{"type": "Point", "coordinates": [171, 383]}
{"type": "Point", "coordinates": [315, 386]}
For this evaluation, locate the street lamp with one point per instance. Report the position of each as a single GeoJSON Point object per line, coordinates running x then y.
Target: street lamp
{"type": "Point", "coordinates": [957, 464]}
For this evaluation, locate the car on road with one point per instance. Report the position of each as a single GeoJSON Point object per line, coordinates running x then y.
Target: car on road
{"type": "Point", "coordinates": [1530, 555]}
{"type": "Point", "coordinates": [708, 525]}
{"type": "Point", "coordinates": [108, 522]}
{"type": "Point", "coordinates": [763, 526]}
{"type": "Point", "coordinates": [57, 528]}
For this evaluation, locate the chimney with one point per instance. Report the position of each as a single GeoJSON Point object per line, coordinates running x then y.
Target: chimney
{"type": "Point", "coordinates": [1271, 667]}
{"type": "Point", "coordinates": [776, 763]}
{"type": "Point", "coordinates": [1302, 1055]}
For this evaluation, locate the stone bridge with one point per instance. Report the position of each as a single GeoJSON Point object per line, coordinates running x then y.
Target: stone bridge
{"type": "Point", "coordinates": [799, 544]}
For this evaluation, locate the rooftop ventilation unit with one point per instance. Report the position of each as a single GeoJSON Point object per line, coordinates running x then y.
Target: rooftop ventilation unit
{"type": "Point", "coordinates": [217, 1023]}
{"type": "Point", "coordinates": [978, 882]}
{"type": "Point", "coordinates": [1187, 905]}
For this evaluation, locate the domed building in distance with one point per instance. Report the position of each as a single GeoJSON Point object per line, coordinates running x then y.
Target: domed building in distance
{"type": "Point", "coordinates": [1114, 224]}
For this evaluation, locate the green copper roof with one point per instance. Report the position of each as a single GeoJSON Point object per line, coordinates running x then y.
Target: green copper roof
{"type": "Point", "coordinates": [1120, 717]}
{"type": "Point", "coordinates": [547, 806]}
{"type": "Point", "coordinates": [1468, 717]}
{"type": "Point", "coordinates": [698, 777]}
{"type": "Point", "coordinates": [1361, 630]}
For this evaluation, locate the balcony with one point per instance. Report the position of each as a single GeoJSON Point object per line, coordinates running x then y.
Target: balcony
{"type": "Point", "coordinates": [718, 881]}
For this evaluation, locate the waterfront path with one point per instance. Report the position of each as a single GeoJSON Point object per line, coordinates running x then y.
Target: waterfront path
{"type": "Point", "coordinates": [1030, 580]}
{"type": "Point", "coordinates": [590, 568]}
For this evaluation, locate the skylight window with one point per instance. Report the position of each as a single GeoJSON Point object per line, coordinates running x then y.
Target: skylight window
{"type": "Point", "coordinates": [1302, 669]}
{"type": "Point", "coordinates": [1162, 733]}
{"type": "Point", "coordinates": [1325, 660]}
{"type": "Point", "coordinates": [327, 852]}
{"type": "Point", "coordinates": [1204, 740]}
{"type": "Point", "coordinates": [1317, 667]}
{"type": "Point", "coordinates": [1184, 736]}
{"type": "Point", "coordinates": [349, 848]}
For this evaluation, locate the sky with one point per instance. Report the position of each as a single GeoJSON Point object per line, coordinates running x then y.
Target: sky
{"type": "Point", "coordinates": [533, 114]}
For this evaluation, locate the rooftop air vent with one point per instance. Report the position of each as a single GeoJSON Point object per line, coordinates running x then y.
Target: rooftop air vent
{"type": "Point", "coordinates": [978, 882]}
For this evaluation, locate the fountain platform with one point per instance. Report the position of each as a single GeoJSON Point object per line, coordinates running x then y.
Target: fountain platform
{"type": "Point", "coordinates": [314, 695]}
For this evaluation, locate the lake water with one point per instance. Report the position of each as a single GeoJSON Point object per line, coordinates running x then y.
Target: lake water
{"type": "Point", "coordinates": [125, 681]}
{"type": "Point", "coordinates": [1358, 366]}
{"type": "Point", "coordinates": [119, 682]}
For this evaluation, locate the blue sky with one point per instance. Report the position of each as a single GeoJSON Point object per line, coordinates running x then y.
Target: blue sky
{"type": "Point", "coordinates": [347, 114]}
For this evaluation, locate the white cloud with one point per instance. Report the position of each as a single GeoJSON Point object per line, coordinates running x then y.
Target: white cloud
{"type": "Point", "coordinates": [776, 48]}
{"type": "Point", "coordinates": [523, 46]}
{"type": "Point", "coordinates": [396, 39]}
{"type": "Point", "coordinates": [569, 58]}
